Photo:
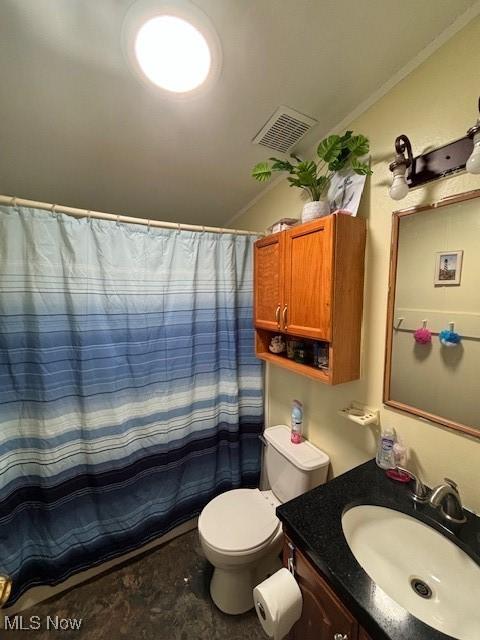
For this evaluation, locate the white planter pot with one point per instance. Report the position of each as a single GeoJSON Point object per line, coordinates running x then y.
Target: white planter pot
{"type": "Point", "coordinates": [315, 209]}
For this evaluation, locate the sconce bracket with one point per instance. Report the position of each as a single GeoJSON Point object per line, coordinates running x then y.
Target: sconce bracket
{"type": "Point", "coordinates": [438, 163]}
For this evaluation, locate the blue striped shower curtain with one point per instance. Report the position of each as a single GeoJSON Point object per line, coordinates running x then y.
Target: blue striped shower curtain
{"type": "Point", "coordinates": [129, 390]}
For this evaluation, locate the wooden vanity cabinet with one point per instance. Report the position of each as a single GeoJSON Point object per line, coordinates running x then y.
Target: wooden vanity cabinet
{"type": "Point", "coordinates": [308, 283]}
{"type": "Point", "coordinates": [324, 616]}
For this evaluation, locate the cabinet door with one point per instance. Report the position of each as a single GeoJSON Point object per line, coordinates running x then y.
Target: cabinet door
{"type": "Point", "coordinates": [363, 635]}
{"type": "Point", "coordinates": [268, 281]}
{"type": "Point", "coordinates": [308, 279]}
{"type": "Point", "coordinates": [323, 615]}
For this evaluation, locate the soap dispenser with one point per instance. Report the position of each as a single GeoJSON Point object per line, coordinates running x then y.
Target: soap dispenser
{"type": "Point", "coordinates": [385, 456]}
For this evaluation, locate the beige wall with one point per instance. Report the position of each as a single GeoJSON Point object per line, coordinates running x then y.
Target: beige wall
{"type": "Point", "coordinates": [434, 104]}
{"type": "Point", "coordinates": [439, 380]}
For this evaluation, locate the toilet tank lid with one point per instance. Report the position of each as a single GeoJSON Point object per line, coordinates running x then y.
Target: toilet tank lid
{"type": "Point", "coordinates": [304, 456]}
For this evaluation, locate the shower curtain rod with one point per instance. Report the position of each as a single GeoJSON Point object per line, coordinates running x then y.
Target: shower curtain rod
{"type": "Point", "coordinates": [86, 213]}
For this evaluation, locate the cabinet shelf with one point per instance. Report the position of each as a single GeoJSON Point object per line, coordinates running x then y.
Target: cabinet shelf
{"type": "Point", "coordinates": [297, 367]}
{"type": "Point", "coordinates": [307, 369]}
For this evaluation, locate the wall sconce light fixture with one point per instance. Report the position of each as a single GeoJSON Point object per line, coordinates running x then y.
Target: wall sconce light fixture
{"type": "Point", "coordinates": [399, 166]}
{"type": "Point", "coordinates": [473, 162]}
{"type": "Point", "coordinates": [409, 171]}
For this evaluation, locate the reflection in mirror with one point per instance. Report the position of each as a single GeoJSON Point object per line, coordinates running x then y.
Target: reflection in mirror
{"type": "Point", "coordinates": [435, 288]}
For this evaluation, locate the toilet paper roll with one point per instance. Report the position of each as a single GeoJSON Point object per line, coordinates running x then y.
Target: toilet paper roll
{"type": "Point", "coordinates": [278, 603]}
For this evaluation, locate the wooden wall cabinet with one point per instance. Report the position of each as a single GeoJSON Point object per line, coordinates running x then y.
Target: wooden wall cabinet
{"type": "Point", "coordinates": [308, 283]}
{"type": "Point", "coordinates": [268, 281]}
{"type": "Point", "coordinates": [324, 616]}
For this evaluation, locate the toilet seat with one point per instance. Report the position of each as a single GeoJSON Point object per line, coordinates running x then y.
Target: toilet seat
{"type": "Point", "coordinates": [238, 521]}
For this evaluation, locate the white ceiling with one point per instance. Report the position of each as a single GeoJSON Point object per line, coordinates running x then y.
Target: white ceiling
{"type": "Point", "coordinates": [77, 128]}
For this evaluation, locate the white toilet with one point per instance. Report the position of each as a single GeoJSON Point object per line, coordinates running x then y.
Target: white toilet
{"type": "Point", "coordinates": [239, 532]}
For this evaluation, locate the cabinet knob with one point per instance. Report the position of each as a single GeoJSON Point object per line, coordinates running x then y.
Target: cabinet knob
{"type": "Point", "coordinates": [340, 636]}
{"type": "Point", "coordinates": [277, 316]}
{"type": "Point", "coordinates": [285, 317]}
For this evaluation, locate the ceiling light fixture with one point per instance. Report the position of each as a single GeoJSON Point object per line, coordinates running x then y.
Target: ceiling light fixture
{"type": "Point", "coordinates": [172, 45]}
{"type": "Point", "coordinates": [172, 53]}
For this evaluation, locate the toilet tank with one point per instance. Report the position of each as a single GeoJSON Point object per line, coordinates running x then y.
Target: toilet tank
{"type": "Point", "coordinates": [292, 469]}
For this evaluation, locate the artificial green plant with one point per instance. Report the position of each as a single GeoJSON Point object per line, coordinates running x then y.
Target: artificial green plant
{"type": "Point", "coordinates": [334, 153]}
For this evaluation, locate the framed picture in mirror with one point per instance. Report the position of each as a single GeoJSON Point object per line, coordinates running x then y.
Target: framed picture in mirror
{"type": "Point", "coordinates": [448, 268]}
{"type": "Point", "coordinates": [437, 379]}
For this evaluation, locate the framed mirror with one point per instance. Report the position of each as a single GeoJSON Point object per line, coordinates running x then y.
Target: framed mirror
{"type": "Point", "coordinates": [432, 357]}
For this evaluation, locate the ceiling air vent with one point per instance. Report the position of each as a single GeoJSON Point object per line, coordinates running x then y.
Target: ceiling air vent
{"type": "Point", "coordinates": [284, 129]}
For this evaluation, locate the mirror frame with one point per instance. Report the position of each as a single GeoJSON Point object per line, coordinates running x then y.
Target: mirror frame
{"type": "Point", "coordinates": [387, 400]}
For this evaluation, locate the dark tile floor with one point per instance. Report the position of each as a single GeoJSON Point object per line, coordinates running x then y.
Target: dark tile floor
{"type": "Point", "coordinates": [162, 596]}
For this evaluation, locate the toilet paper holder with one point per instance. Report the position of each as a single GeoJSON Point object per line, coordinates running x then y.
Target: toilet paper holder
{"type": "Point", "coordinates": [291, 559]}
{"type": "Point", "coordinates": [278, 600]}
{"type": "Point", "coordinates": [261, 610]}
{"type": "Point", "coordinates": [290, 567]}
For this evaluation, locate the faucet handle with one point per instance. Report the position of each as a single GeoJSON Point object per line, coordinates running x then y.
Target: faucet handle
{"type": "Point", "coordinates": [452, 483]}
{"type": "Point", "coordinates": [420, 492]}
{"type": "Point", "coordinates": [446, 497]}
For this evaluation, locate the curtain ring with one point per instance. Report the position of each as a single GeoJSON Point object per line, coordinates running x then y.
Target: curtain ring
{"type": "Point", "coordinates": [148, 224]}
{"type": "Point", "coordinates": [179, 228]}
{"type": "Point", "coordinates": [13, 202]}
{"type": "Point", "coordinates": [89, 215]}
{"type": "Point", "coordinates": [203, 228]}
{"type": "Point", "coordinates": [54, 209]}
{"type": "Point", "coordinates": [118, 219]}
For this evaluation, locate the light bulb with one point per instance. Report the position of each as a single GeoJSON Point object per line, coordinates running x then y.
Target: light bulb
{"type": "Point", "coordinates": [172, 53]}
{"type": "Point", "coordinates": [473, 162]}
{"type": "Point", "coordinates": [399, 188]}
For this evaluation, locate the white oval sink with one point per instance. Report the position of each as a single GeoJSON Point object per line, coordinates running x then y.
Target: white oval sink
{"type": "Point", "coordinates": [408, 560]}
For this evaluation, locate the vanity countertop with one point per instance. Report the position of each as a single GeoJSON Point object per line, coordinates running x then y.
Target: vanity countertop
{"type": "Point", "coordinates": [313, 521]}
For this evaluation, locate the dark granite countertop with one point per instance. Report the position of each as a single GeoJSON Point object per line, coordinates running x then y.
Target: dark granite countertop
{"type": "Point", "coordinates": [313, 520]}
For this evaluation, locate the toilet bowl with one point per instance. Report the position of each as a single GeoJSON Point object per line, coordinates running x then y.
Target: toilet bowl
{"type": "Point", "coordinates": [239, 531]}
{"type": "Point", "coordinates": [241, 537]}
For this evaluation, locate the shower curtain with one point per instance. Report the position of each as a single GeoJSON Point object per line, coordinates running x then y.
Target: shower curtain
{"type": "Point", "coordinates": [129, 390]}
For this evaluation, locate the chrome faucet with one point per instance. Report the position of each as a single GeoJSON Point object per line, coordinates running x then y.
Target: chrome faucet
{"type": "Point", "coordinates": [447, 498]}
{"type": "Point", "coordinates": [420, 491]}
